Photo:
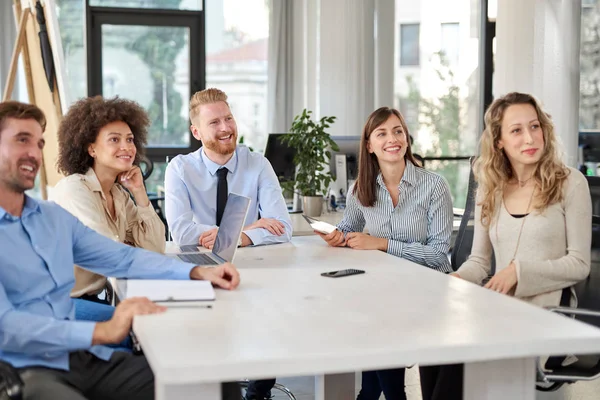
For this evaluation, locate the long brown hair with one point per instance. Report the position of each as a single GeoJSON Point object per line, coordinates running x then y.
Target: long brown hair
{"type": "Point", "coordinates": [493, 169]}
{"type": "Point", "coordinates": [368, 166]}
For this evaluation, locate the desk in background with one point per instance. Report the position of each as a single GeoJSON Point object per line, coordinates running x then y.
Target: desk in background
{"type": "Point", "coordinates": [396, 314]}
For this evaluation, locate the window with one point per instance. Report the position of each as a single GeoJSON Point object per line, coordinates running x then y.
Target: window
{"type": "Point", "coordinates": [237, 34]}
{"type": "Point", "coordinates": [439, 95]}
{"type": "Point", "coordinates": [450, 42]}
{"type": "Point", "coordinates": [409, 44]}
{"type": "Point", "coordinates": [164, 4]}
{"type": "Point", "coordinates": [589, 95]}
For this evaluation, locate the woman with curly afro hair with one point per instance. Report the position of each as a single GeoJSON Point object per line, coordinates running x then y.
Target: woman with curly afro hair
{"type": "Point", "coordinates": [100, 144]}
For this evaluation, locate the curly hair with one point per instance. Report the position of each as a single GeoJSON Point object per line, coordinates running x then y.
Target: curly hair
{"type": "Point", "coordinates": [492, 168]}
{"type": "Point", "coordinates": [80, 126]}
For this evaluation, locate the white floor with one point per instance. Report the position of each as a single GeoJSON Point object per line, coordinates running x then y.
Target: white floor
{"type": "Point", "coordinates": [304, 389]}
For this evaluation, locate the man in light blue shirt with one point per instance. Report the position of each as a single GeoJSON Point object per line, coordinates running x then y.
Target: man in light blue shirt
{"type": "Point", "coordinates": [192, 181]}
{"type": "Point", "coordinates": [56, 356]}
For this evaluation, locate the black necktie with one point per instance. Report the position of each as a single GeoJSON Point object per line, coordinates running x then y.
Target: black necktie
{"type": "Point", "coordinates": [222, 193]}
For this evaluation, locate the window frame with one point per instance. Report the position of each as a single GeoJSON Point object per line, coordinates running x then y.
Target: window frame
{"type": "Point", "coordinates": [403, 63]}
{"type": "Point", "coordinates": [96, 16]}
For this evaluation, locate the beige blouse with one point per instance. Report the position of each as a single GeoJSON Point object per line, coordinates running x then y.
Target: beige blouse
{"type": "Point", "coordinates": [555, 247]}
{"type": "Point", "coordinates": [82, 196]}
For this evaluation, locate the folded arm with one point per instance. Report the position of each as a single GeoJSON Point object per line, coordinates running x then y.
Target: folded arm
{"type": "Point", "coordinates": [178, 208]}
{"type": "Point", "coordinates": [271, 204]}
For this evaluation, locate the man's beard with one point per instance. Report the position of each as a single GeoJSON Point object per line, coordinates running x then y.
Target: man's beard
{"type": "Point", "coordinates": [220, 148]}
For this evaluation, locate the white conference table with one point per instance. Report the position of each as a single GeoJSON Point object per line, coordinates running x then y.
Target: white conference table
{"type": "Point", "coordinates": [287, 320]}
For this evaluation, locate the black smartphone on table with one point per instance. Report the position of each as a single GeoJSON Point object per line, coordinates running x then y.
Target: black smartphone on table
{"type": "Point", "coordinates": [342, 273]}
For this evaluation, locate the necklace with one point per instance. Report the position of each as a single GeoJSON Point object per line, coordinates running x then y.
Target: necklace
{"type": "Point", "coordinates": [520, 229]}
{"type": "Point", "coordinates": [522, 183]}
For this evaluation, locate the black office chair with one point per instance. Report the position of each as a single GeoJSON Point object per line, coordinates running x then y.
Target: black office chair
{"type": "Point", "coordinates": [587, 368]}
{"type": "Point", "coordinates": [11, 385]}
{"type": "Point", "coordinates": [461, 249]}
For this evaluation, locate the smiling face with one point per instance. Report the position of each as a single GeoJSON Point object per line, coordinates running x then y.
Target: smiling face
{"type": "Point", "coordinates": [522, 137]}
{"type": "Point", "coordinates": [216, 128]}
{"type": "Point", "coordinates": [114, 148]}
{"type": "Point", "coordinates": [388, 141]}
{"type": "Point", "coordinates": [21, 144]}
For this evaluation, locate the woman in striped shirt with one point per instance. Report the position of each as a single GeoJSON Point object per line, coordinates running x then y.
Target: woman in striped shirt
{"type": "Point", "coordinates": [406, 209]}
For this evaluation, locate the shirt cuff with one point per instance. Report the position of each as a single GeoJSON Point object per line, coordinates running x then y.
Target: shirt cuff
{"type": "Point", "coordinates": [180, 270]}
{"type": "Point", "coordinates": [256, 236]}
{"type": "Point", "coordinates": [81, 334]}
{"type": "Point", "coordinates": [395, 247]}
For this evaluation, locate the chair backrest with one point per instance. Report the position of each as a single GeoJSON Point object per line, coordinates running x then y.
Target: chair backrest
{"type": "Point", "coordinates": [588, 291]}
{"type": "Point", "coordinates": [594, 185]}
{"type": "Point", "coordinates": [464, 238]}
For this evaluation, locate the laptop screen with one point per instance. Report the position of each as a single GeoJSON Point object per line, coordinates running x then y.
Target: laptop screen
{"type": "Point", "coordinates": [231, 227]}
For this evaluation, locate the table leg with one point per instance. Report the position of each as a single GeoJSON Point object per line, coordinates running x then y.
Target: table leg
{"type": "Point", "coordinates": [335, 386]}
{"type": "Point", "coordinates": [500, 380]}
{"type": "Point", "coordinates": [204, 391]}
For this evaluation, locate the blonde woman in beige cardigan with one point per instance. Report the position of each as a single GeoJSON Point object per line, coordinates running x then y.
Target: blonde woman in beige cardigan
{"type": "Point", "coordinates": [532, 210]}
{"type": "Point", "coordinates": [100, 144]}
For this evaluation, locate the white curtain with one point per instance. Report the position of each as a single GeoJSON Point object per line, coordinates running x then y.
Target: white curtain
{"type": "Point", "coordinates": [280, 67]}
{"type": "Point", "coordinates": [8, 35]}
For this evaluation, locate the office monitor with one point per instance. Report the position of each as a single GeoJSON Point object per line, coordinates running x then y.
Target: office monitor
{"type": "Point", "coordinates": [281, 157]}
{"type": "Point", "coordinates": [350, 146]}
{"type": "Point", "coordinates": [344, 167]}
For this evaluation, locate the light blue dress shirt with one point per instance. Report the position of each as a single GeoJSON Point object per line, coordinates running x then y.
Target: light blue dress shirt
{"type": "Point", "coordinates": [191, 195]}
{"type": "Point", "coordinates": [37, 254]}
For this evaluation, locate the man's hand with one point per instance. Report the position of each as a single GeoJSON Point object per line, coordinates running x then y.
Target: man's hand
{"type": "Point", "coordinates": [117, 328]}
{"type": "Point", "coordinates": [207, 239]}
{"type": "Point", "coordinates": [362, 241]}
{"type": "Point", "coordinates": [504, 281]}
{"type": "Point", "coordinates": [334, 239]}
{"type": "Point", "coordinates": [225, 276]}
{"type": "Point", "coordinates": [274, 226]}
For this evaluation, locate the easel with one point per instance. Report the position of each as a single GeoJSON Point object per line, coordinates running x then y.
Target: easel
{"type": "Point", "coordinates": [28, 45]}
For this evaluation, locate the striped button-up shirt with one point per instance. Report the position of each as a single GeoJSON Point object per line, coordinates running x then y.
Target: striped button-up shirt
{"type": "Point", "coordinates": [418, 228]}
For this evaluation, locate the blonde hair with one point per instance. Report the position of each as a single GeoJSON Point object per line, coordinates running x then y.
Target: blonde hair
{"type": "Point", "coordinates": [206, 96]}
{"type": "Point", "coordinates": [493, 170]}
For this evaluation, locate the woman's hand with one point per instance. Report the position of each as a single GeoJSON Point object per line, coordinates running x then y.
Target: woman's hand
{"type": "Point", "coordinates": [133, 181]}
{"type": "Point", "coordinates": [334, 239]}
{"type": "Point", "coordinates": [362, 241]}
{"type": "Point", "coordinates": [504, 281]}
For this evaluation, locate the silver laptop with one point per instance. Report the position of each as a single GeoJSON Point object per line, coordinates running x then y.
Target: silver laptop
{"type": "Point", "coordinates": [228, 234]}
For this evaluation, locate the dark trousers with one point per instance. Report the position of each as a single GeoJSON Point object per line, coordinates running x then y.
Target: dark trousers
{"type": "Point", "coordinates": [124, 377]}
{"type": "Point", "coordinates": [442, 382]}
{"type": "Point", "coordinates": [259, 390]}
{"type": "Point", "coordinates": [388, 381]}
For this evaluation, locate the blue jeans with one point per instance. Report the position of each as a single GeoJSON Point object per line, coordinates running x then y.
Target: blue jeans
{"type": "Point", "coordinates": [86, 310]}
{"type": "Point", "coordinates": [390, 381]}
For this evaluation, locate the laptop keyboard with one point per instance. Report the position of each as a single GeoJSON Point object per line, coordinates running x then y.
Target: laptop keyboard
{"type": "Point", "coordinates": [198, 259]}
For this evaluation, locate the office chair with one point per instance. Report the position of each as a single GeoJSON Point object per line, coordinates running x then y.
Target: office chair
{"type": "Point", "coordinates": [278, 386]}
{"type": "Point", "coordinates": [587, 368]}
{"type": "Point", "coordinates": [461, 248]}
{"type": "Point", "coordinates": [11, 385]}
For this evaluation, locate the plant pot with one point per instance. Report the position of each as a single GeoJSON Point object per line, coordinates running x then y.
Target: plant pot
{"type": "Point", "coordinates": [312, 205]}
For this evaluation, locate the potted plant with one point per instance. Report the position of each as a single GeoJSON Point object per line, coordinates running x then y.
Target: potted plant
{"type": "Point", "coordinates": [313, 145]}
